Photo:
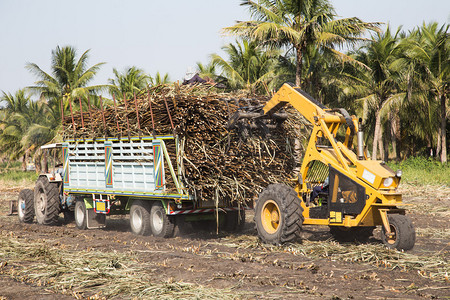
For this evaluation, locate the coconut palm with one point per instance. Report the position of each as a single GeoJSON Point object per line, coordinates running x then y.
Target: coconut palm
{"type": "Point", "coordinates": [299, 24]}
{"type": "Point", "coordinates": [129, 82]}
{"type": "Point", "coordinates": [209, 70]}
{"type": "Point", "coordinates": [69, 77]}
{"type": "Point", "coordinates": [24, 125]}
{"type": "Point", "coordinates": [376, 85]}
{"type": "Point", "coordinates": [248, 66]}
{"type": "Point", "coordinates": [424, 66]}
{"type": "Point", "coordinates": [160, 79]}
{"type": "Point", "coordinates": [435, 46]}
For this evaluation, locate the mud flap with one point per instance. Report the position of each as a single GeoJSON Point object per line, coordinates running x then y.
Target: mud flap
{"type": "Point", "coordinates": [95, 220]}
{"type": "Point", "coordinates": [12, 207]}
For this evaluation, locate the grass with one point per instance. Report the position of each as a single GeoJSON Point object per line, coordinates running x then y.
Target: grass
{"type": "Point", "coordinates": [422, 170]}
{"type": "Point", "coordinates": [18, 176]}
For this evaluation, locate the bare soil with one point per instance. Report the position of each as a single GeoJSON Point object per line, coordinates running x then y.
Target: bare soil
{"type": "Point", "coordinates": [239, 264]}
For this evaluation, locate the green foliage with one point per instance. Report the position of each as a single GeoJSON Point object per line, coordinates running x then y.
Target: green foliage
{"type": "Point", "coordinates": [129, 82]}
{"type": "Point", "coordinates": [421, 170]}
{"type": "Point", "coordinates": [300, 26]}
{"type": "Point", "coordinates": [248, 66]}
{"type": "Point", "coordinates": [18, 176]}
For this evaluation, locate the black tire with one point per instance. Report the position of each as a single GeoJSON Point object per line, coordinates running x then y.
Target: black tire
{"type": "Point", "coordinates": [140, 217]}
{"type": "Point", "coordinates": [278, 214]}
{"type": "Point", "coordinates": [69, 216]}
{"type": "Point", "coordinates": [80, 215]}
{"type": "Point", "coordinates": [404, 233]}
{"type": "Point", "coordinates": [25, 206]}
{"type": "Point", "coordinates": [161, 224]}
{"type": "Point", "coordinates": [235, 220]}
{"type": "Point", "coordinates": [46, 201]}
{"type": "Point", "coordinates": [354, 234]}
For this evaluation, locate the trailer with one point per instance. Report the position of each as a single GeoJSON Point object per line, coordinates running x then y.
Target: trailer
{"type": "Point", "coordinates": [138, 176]}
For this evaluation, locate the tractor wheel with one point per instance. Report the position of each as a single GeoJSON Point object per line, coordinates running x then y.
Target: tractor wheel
{"type": "Point", "coordinates": [344, 234]}
{"type": "Point", "coordinates": [140, 217]}
{"type": "Point", "coordinates": [25, 206]}
{"type": "Point", "coordinates": [235, 220]}
{"type": "Point", "coordinates": [403, 233]}
{"type": "Point", "coordinates": [80, 215]}
{"type": "Point", "coordinates": [161, 224]}
{"type": "Point", "coordinates": [46, 201]}
{"type": "Point", "coordinates": [278, 214]}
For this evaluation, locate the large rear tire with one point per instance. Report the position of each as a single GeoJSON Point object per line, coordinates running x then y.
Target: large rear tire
{"type": "Point", "coordinates": [25, 206]}
{"type": "Point", "coordinates": [46, 201]}
{"type": "Point", "coordinates": [278, 214]}
{"type": "Point", "coordinates": [403, 233]}
{"type": "Point", "coordinates": [161, 224]}
{"type": "Point", "coordinates": [140, 217]}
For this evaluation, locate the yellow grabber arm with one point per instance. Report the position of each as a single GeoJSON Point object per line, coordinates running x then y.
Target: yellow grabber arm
{"type": "Point", "coordinates": [310, 108]}
{"type": "Point", "coordinates": [316, 113]}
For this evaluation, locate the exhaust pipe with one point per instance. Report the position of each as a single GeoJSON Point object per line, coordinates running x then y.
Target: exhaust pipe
{"type": "Point", "coordinates": [360, 140]}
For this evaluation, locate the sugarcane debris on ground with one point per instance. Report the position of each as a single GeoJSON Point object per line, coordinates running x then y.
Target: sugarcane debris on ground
{"type": "Point", "coordinates": [216, 162]}
{"type": "Point", "coordinates": [63, 261]}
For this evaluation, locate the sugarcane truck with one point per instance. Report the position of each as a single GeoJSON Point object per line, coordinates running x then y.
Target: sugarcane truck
{"type": "Point", "coordinates": [129, 175]}
{"type": "Point", "coordinates": [361, 194]}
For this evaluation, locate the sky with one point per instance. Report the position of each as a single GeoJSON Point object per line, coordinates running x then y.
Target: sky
{"type": "Point", "coordinates": [164, 36]}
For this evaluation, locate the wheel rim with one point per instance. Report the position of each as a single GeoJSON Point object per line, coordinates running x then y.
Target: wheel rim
{"type": "Point", "coordinates": [40, 205]}
{"type": "Point", "coordinates": [136, 219]}
{"type": "Point", "coordinates": [79, 214]}
{"type": "Point", "coordinates": [157, 221]}
{"type": "Point", "coordinates": [393, 236]}
{"type": "Point", "coordinates": [21, 208]}
{"type": "Point", "coordinates": [270, 216]}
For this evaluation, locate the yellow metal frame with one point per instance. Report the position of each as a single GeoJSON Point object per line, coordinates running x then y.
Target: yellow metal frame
{"type": "Point", "coordinates": [368, 173]}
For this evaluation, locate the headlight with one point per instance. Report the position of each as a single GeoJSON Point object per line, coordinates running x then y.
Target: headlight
{"type": "Point", "coordinates": [388, 181]}
{"type": "Point", "coordinates": [399, 173]}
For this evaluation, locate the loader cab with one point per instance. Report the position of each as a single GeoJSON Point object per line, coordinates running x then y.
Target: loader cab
{"type": "Point", "coordinates": [343, 195]}
{"type": "Point", "coordinates": [52, 164]}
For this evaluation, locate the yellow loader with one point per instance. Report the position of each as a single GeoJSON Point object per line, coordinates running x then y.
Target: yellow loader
{"type": "Point", "coordinates": [336, 187]}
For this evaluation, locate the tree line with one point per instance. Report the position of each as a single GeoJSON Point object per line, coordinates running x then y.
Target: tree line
{"type": "Point", "coordinates": [397, 81]}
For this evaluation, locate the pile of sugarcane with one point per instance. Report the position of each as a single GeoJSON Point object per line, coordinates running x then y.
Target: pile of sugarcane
{"type": "Point", "coordinates": [216, 163]}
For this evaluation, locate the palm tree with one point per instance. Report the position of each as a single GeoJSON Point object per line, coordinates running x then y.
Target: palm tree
{"type": "Point", "coordinates": [248, 66]}
{"type": "Point", "coordinates": [425, 68]}
{"type": "Point", "coordinates": [69, 77]}
{"type": "Point", "coordinates": [160, 79]}
{"type": "Point", "coordinates": [131, 81]}
{"type": "Point", "coordinates": [435, 57]}
{"type": "Point", "coordinates": [209, 70]}
{"type": "Point", "coordinates": [299, 24]}
{"type": "Point", "coordinates": [13, 124]}
{"type": "Point", "coordinates": [376, 85]}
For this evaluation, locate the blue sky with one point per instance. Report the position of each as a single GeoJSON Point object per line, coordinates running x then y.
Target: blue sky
{"type": "Point", "coordinates": [165, 36]}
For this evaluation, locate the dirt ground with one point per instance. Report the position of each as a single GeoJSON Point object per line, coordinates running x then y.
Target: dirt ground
{"type": "Point", "coordinates": [241, 266]}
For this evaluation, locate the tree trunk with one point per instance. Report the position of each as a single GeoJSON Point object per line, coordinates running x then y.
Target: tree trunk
{"type": "Point", "coordinates": [396, 136]}
{"type": "Point", "coordinates": [24, 162]}
{"type": "Point", "coordinates": [381, 144]}
{"type": "Point", "coordinates": [298, 71]}
{"type": "Point", "coordinates": [376, 134]}
{"type": "Point", "coordinates": [438, 145]}
{"type": "Point", "coordinates": [443, 129]}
